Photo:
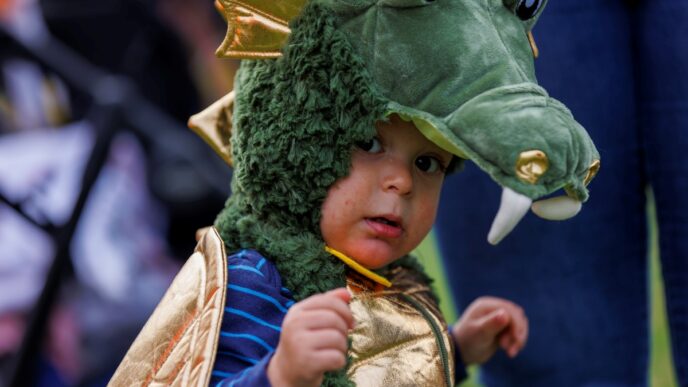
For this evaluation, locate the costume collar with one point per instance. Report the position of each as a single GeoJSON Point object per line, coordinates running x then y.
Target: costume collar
{"type": "Point", "coordinates": [358, 268]}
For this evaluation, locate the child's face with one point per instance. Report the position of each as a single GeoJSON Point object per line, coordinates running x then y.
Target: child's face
{"type": "Point", "coordinates": [387, 204]}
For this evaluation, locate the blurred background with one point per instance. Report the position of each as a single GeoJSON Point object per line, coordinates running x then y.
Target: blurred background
{"type": "Point", "coordinates": [102, 186]}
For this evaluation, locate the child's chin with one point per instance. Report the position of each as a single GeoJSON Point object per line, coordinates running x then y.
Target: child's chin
{"type": "Point", "coordinates": [374, 254]}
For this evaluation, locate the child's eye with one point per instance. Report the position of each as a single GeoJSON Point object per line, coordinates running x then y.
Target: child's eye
{"type": "Point", "coordinates": [429, 164]}
{"type": "Point", "coordinates": [371, 146]}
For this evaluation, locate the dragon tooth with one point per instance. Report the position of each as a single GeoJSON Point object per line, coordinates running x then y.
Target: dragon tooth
{"type": "Point", "coordinates": [512, 209]}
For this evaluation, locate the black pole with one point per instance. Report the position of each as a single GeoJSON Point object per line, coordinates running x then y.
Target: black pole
{"type": "Point", "coordinates": [23, 371]}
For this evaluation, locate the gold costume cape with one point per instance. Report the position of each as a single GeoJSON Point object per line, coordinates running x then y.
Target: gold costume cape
{"type": "Point", "coordinates": [399, 338]}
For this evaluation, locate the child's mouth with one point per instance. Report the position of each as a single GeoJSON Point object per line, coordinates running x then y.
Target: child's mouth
{"type": "Point", "coordinates": [385, 227]}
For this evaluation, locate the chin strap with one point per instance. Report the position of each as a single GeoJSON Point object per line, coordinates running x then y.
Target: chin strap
{"type": "Point", "coordinates": [360, 269]}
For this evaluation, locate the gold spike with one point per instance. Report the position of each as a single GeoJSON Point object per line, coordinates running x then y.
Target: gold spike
{"type": "Point", "coordinates": [533, 46]}
{"type": "Point", "coordinates": [220, 9]}
{"type": "Point", "coordinates": [592, 171]}
{"type": "Point", "coordinates": [257, 29]}
{"type": "Point", "coordinates": [214, 125]}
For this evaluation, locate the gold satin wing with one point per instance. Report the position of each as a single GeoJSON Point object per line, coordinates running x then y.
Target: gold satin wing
{"type": "Point", "coordinates": [257, 29]}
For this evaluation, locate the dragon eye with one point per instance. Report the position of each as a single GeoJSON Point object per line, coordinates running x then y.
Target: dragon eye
{"type": "Point", "coordinates": [528, 8]}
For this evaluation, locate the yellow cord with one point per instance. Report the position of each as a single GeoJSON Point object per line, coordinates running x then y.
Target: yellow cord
{"type": "Point", "coordinates": [357, 266]}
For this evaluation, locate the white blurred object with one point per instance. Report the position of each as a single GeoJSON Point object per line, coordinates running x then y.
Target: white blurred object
{"type": "Point", "coordinates": [24, 20]}
{"type": "Point", "coordinates": [42, 169]}
{"type": "Point", "coordinates": [119, 248]}
{"type": "Point", "coordinates": [25, 253]}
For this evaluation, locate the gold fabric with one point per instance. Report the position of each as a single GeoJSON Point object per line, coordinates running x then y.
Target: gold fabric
{"type": "Point", "coordinates": [533, 46]}
{"type": "Point", "coordinates": [393, 341]}
{"type": "Point", "coordinates": [531, 165]}
{"type": "Point", "coordinates": [214, 126]}
{"type": "Point", "coordinates": [177, 346]}
{"type": "Point", "coordinates": [257, 29]}
{"type": "Point", "coordinates": [592, 171]}
{"type": "Point", "coordinates": [400, 338]}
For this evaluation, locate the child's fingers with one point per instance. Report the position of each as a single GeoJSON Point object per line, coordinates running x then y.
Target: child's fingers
{"type": "Point", "coordinates": [329, 339]}
{"type": "Point", "coordinates": [514, 337]}
{"type": "Point", "coordinates": [485, 305]}
{"type": "Point", "coordinates": [519, 327]}
{"type": "Point", "coordinates": [492, 324]}
{"type": "Point", "coordinates": [341, 293]}
{"type": "Point", "coordinates": [329, 360]}
{"type": "Point", "coordinates": [509, 344]}
{"type": "Point", "coordinates": [322, 319]}
{"type": "Point", "coordinates": [333, 300]}
{"type": "Point", "coordinates": [505, 341]}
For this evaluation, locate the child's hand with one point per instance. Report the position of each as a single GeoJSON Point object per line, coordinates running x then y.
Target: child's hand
{"type": "Point", "coordinates": [313, 340]}
{"type": "Point", "coordinates": [487, 324]}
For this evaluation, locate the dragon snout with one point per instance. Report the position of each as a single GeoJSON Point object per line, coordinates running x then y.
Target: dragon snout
{"type": "Point", "coordinates": [514, 206]}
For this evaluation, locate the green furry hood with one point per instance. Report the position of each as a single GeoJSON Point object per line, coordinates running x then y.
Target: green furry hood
{"type": "Point", "coordinates": [296, 120]}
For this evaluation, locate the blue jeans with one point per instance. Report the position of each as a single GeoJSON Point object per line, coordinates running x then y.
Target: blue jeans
{"type": "Point", "coordinates": [623, 72]}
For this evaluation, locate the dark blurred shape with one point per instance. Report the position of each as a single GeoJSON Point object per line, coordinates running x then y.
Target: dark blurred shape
{"type": "Point", "coordinates": [129, 38]}
{"type": "Point", "coordinates": [622, 68]}
{"type": "Point", "coordinates": [121, 88]}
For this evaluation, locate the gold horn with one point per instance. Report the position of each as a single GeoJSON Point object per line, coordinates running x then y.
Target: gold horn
{"type": "Point", "coordinates": [214, 125]}
{"type": "Point", "coordinates": [533, 46]}
{"type": "Point", "coordinates": [257, 29]}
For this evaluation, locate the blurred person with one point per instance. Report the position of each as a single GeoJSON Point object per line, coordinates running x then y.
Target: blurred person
{"type": "Point", "coordinates": [121, 252]}
{"type": "Point", "coordinates": [199, 27]}
{"type": "Point", "coordinates": [622, 67]}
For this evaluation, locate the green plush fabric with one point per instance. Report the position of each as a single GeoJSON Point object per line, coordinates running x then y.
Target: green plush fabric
{"type": "Point", "coordinates": [466, 69]}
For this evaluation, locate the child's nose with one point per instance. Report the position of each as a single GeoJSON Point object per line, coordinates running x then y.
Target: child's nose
{"type": "Point", "coordinates": [398, 177]}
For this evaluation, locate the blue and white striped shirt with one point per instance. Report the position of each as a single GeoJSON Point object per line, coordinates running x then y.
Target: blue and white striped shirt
{"type": "Point", "coordinates": [255, 306]}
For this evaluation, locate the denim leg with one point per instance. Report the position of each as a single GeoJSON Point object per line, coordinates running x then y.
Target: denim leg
{"type": "Point", "coordinates": [582, 282]}
{"type": "Point", "coordinates": [662, 49]}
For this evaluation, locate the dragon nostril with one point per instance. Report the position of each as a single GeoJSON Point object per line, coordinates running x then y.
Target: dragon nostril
{"type": "Point", "coordinates": [531, 165]}
{"type": "Point", "coordinates": [592, 171]}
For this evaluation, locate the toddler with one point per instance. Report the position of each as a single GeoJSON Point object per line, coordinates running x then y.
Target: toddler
{"type": "Point", "coordinates": [377, 214]}
{"type": "Point", "coordinates": [346, 116]}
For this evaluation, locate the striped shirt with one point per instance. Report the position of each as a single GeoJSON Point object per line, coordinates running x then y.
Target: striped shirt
{"type": "Point", "coordinates": [255, 306]}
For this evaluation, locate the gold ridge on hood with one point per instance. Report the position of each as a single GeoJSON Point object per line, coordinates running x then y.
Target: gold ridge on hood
{"type": "Point", "coordinates": [214, 126]}
{"type": "Point", "coordinates": [257, 29]}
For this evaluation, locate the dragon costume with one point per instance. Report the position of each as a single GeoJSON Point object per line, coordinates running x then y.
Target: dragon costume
{"type": "Point", "coordinates": [316, 77]}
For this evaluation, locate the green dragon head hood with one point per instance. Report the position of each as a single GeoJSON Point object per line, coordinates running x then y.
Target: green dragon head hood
{"type": "Point", "coordinates": [318, 74]}
{"type": "Point", "coordinates": [462, 70]}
